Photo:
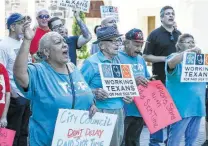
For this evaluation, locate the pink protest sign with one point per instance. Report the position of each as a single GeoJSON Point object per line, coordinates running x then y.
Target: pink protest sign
{"type": "Point", "coordinates": [6, 137]}
{"type": "Point", "coordinates": [156, 106]}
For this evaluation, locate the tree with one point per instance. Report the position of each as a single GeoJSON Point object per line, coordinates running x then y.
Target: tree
{"type": "Point", "coordinates": [82, 53]}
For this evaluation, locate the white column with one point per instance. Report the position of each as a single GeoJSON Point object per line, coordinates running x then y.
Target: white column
{"type": "Point", "coordinates": [32, 11]}
{"type": "Point", "coordinates": [2, 18]}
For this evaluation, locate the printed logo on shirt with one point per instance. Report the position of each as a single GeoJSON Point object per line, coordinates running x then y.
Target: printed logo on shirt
{"type": "Point", "coordinates": [2, 89]}
{"type": "Point", "coordinates": [64, 86]}
{"type": "Point", "coordinates": [82, 86]}
{"type": "Point", "coordinates": [138, 69]}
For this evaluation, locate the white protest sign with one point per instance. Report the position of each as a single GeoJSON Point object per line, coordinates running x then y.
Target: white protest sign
{"type": "Point", "coordinates": [75, 128]}
{"type": "Point", "coordinates": [78, 5]}
{"type": "Point", "coordinates": [195, 67]}
{"type": "Point", "coordinates": [107, 11]}
{"type": "Point", "coordinates": [118, 80]}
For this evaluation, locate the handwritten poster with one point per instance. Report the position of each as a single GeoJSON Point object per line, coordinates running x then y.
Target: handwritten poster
{"type": "Point", "coordinates": [118, 80]}
{"type": "Point", "coordinates": [195, 67]}
{"type": "Point", "coordinates": [6, 137]}
{"type": "Point", "coordinates": [75, 128]}
{"type": "Point", "coordinates": [156, 106]}
{"type": "Point", "coordinates": [107, 11]}
{"type": "Point", "coordinates": [78, 5]}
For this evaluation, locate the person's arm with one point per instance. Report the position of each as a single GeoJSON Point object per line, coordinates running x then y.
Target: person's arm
{"type": "Point", "coordinates": [86, 35]}
{"type": "Point", "coordinates": [154, 59]}
{"type": "Point", "coordinates": [179, 58]}
{"type": "Point", "coordinates": [21, 62]}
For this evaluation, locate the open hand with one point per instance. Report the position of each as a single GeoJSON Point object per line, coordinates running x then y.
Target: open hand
{"type": "Point", "coordinates": [100, 93]}
{"type": "Point", "coordinates": [3, 122]}
{"type": "Point", "coordinates": [141, 81]}
{"type": "Point", "coordinates": [93, 110]}
{"type": "Point", "coordinates": [28, 32]}
{"type": "Point", "coordinates": [128, 99]}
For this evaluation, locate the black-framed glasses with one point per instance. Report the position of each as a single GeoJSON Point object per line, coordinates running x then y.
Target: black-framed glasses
{"type": "Point", "coordinates": [57, 27]}
{"type": "Point", "coordinates": [43, 16]}
{"type": "Point", "coordinates": [171, 37]}
{"type": "Point", "coordinates": [116, 42]}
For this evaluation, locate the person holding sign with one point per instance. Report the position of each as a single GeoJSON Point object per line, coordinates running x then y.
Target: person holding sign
{"type": "Point", "coordinates": [73, 42]}
{"type": "Point", "coordinates": [189, 97]}
{"type": "Point", "coordinates": [4, 95]}
{"type": "Point", "coordinates": [130, 55]}
{"type": "Point", "coordinates": [52, 84]}
{"type": "Point", "coordinates": [109, 44]}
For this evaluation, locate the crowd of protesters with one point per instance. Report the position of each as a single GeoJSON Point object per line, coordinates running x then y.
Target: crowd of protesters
{"type": "Point", "coordinates": [39, 76]}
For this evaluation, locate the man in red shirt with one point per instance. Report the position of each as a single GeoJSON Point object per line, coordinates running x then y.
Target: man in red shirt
{"type": "Point", "coordinates": [42, 19]}
{"type": "Point", "coordinates": [4, 95]}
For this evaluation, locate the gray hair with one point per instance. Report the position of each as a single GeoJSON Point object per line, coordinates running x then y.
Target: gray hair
{"type": "Point", "coordinates": [41, 10]}
{"type": "Point", "coordinates": [181, 39]}
{"type": "Point", "coordinates": [44, 44]}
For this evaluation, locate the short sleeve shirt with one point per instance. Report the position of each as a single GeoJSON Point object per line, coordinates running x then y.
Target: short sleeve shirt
{"type": "Point", "coordinates": [90, 71]}
{"type": "Point", "coordinates": [4, 87]}
{"type": "Point", "coordinates": [49, 91]}
{"type": "Point", "coordinates": [161, 43]}
{"type": "Point", "coordinates": [189, 97]}
{"type": "Point", "coordinates": [139, 68]}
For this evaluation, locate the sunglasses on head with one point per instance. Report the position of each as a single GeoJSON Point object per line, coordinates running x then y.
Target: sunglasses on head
{"type": "Point", "coordinates": [43, 16]}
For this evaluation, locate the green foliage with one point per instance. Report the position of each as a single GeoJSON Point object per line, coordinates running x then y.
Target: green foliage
{"type": "Point", "coordinates": [82, 53]}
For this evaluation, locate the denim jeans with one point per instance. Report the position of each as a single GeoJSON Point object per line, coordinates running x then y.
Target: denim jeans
{"type": "Point", "coordinates": [156, 138]}
{"type": "Point", "coordinates": [189, 127]}
{"type": "Point", "coordinates": [119, 127]}
{"type": "Point", "coordinates": [132, 131]}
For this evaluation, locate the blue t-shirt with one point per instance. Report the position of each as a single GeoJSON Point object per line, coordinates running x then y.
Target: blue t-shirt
{"type": "Point", "coordinates": [49, 91]}
{"type": "Point", "coordinates": [90, 71]}
{"type": "Point", "coordinates": [139, 68]}
{"type": "Point", "coordinates": [189, 97]}
{"type": "Point", "coordinates": [72, 46]}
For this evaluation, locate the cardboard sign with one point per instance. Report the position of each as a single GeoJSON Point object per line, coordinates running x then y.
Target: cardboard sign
{"type": "Point", "coordinates": [78, 5]}
{"type": "Point", "coordinates": [75, 128]}
{"type": "Point", "coordinates": [6, 137]}
{"type": "Point", "coordinates": [195, 67]}
{"type": "Point", "coordinates": [118, 80]}
{"type": "Point", "coordinates": [156, 106]}
{"type": "Point", "coordinates": [107, 11]}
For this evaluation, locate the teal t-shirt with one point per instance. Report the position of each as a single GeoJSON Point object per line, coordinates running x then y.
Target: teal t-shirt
{"type": "Point", "coordinates": [189, 97]}
{"type": "Point", "coordinates": [49, 91]}
{"type": "Point", "coordinates": [139, 68]}
{"type": "Point", "coordinates": [90, 71]}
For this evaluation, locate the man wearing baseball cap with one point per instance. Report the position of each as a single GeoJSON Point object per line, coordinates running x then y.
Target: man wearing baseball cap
{"type": "Point", "coordinates": [109, 45]}
{"type": "Point", "coordinates": [133, 123]}
{"type": "Point", "coordinates": [19, 110]}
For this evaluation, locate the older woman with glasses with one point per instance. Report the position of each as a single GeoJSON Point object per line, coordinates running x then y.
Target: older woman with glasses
{"type": "Point", "coordinates": [189, 97]}
{"type": "Point", "coordinates": [51, 84]}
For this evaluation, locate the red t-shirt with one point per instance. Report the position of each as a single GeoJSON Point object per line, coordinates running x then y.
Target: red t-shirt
{"type": "Point", "coordinates": [35, 41]}
{"type": "Point", "coordinates": [4, 87]}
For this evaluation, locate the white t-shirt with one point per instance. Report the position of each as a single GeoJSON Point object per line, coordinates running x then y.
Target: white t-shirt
{"type": "Point", "coordinates": [8, 51]}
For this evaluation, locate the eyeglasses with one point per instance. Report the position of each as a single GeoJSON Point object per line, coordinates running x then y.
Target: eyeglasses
{"type": "Point", "coordinates": [190, 42]}
{"type": "Point", "coordinates": [43, 16]}
{"type": "Point", "coordinates": [116, 42]}
{"type": "Point", "coordinates": [58, 27]}
{"type": "Point", "coordinates": [171, 37]}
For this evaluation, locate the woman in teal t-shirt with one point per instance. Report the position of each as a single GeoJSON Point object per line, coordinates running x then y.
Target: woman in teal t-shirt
{"type": "Point", "coordinates": [189, 97]}
{"type": "Point", "coordinates": [50, 85]}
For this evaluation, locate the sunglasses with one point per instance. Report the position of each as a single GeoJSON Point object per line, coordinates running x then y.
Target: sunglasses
{"type": "Point", "coordinates": [43, 16]}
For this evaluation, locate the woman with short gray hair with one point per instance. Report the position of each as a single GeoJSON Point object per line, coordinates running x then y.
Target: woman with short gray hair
{"type": "Point", "coordinates": [52, 84]}
{"type": "Point", "coordinates": [189, 97]}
